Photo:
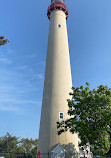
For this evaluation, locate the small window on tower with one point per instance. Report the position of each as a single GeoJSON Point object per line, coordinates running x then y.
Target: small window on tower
{"type": "Point", "coordinates": [61, 115]}
{"type": "Point", "coordinates": [59, 25]}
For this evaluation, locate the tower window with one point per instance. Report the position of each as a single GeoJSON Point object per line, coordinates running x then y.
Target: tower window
{"type": "Point", "coordinates": [59, 25]}
{"type": "Point", "coordinates": [61, 115]}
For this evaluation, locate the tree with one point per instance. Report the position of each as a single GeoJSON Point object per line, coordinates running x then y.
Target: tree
{"type": "Point", "coordinates": [29, 146]}
{"type": "Point", "coordinates": [10, 144]}
{"type": "Point", "coordinates": [90, 117]}
{"type": "Point", "coordinates": [14, 147]}
{"type": "Point", "coordinates": [3, 41]}
{"type": "Point", "coordinates": [109, 153]}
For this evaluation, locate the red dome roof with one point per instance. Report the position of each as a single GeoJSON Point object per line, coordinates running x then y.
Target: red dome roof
{"type": "Point", "coordinates": [57, 5]}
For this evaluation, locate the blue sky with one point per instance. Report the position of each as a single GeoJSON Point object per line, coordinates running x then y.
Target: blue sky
{"type": "Point", "coordinates": [22, 61]}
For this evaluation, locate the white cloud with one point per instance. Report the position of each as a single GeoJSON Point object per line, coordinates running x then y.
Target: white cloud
{"type": "Point", "coordinates": [18, 105]}
{"type": "Point", "coordinates": [14, 100]}
{"type": "Point", "coordinates": [33, 55]}
{"type": "Point", "coordinates": [5, 60]}
{"type": "Point", "coordinates": [18, 90]}
{"type": "Point", "coordinates": [9, 108]}
{"type": "Point", "coordinates": [4, 56]}
{"type": "Point", "coordinates": [40, 76]}
{"type": "Point", "coordinates": [22, 67]}
{"type": "Point", "coordinates": [10, 51]}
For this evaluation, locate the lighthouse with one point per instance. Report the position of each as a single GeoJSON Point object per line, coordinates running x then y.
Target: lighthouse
{"type": "Point", "coordinates": [57, 86]}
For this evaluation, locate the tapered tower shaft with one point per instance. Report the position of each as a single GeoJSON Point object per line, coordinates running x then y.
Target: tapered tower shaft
{"type": "Point", "coordinates": [57, 85]}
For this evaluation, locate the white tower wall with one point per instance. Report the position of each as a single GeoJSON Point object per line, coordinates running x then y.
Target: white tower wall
{"type": "Point", "coordinates": [57, 86]}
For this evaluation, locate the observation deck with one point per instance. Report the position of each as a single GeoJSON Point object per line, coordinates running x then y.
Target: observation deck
{"type": "Point", "coordinates": [57, 5]}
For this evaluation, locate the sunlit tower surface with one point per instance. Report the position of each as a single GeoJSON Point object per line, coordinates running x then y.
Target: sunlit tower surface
{"type": "Point", "coordinates": [57, 86]}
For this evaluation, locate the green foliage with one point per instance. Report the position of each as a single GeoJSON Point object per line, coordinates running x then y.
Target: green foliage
{"type": "Point", "coordinates": [90, 117]}
{"type": "Point", "coordinates": [29, 145]}
{"type": "Point", "coordinates": [3, 41]}
{"type": "Point", "coordinates": [14, 147]}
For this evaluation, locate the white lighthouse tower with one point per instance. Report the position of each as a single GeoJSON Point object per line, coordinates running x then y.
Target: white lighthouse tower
{"type": "Point", "coordinates": [57, 86]}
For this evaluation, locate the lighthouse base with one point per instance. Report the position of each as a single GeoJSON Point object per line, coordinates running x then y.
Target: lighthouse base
{"type": "Point", "coordinates": [61, 151]}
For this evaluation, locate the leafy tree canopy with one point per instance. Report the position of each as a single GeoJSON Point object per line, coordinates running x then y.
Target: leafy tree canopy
{"type": "Point", "coordinates": [90, 117]}
{"type": "Point", "coordinates": [29, 144]}
{"type": "Point", "coordinates": [3, 41]}
{"type": "Point", "coordinates": [15, 147]}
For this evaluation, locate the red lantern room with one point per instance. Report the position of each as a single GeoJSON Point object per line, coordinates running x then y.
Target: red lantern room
{"type": "Point", "coordinates": [57, 5]}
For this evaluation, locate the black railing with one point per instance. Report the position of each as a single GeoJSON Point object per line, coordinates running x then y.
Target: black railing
{"type": "Point", "coordinates": [17, 155]}
{"type": "Point", "coordinates": [48, 155]}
